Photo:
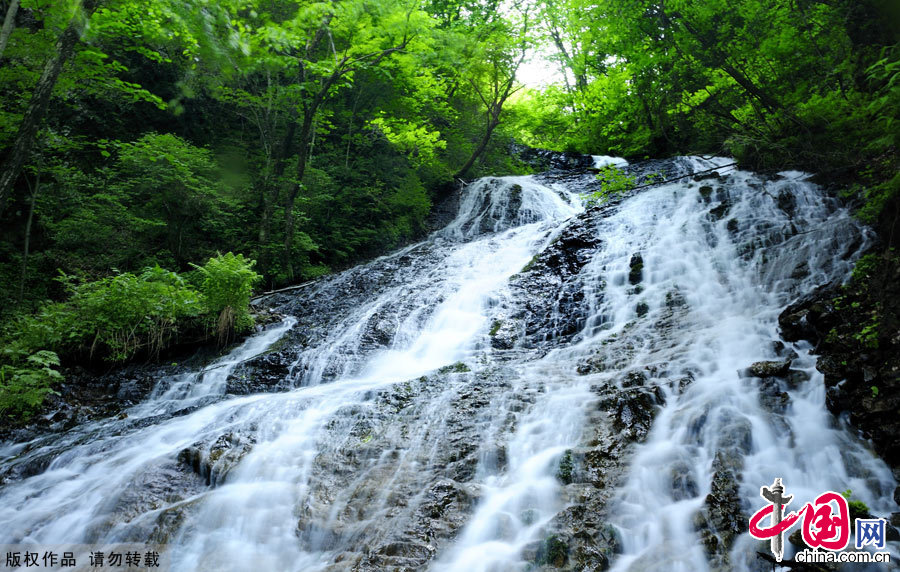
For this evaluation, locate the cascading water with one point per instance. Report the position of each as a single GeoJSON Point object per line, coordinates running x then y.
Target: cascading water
{"type": "Point", "coordinates": [533, 385]}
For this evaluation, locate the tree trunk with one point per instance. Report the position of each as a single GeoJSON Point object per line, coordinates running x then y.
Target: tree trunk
{"type": "Point", "coordinates": [302, 157]}
{"type": "Point", "coordinates": [9, 23]}
{"type": "Point", "coordinates": [272, 187]}
{"type": "Point", "coordinates": [25, 247]}
{"type": "Point", "coordinates": [493, 122]}
{"type": "Point", "coordinates": [40, 98]}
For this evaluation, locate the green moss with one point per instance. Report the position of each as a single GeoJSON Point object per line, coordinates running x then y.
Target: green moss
{"type": "Point", "coordinates": [458, 367]}
{"type": "Point", "coordinates": [530, 264]}
{"type": "Point", "coordinates": [495, 327]}
{"type": "Point", "coordinates": [858, 509]}
{"type": "Point", "coordinates": [553, 552]}
{"type": "Point", "coordinates": [566, 468]}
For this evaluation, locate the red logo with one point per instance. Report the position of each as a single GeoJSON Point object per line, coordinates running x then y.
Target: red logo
{"type": "Point", "coordinates": [826, 521]}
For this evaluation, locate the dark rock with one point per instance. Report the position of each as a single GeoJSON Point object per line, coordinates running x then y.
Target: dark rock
{"type": "Point", "coordinates": [549, 290]}
{"type": "Point", "coordinates": [675, 299]}
{"type": "Point", "coordinates": [554, 551]}
{"type": "Point", "coordinates": [771, 397]}
{"type": "Point", "coordinates": [722, 520]}
{"type": "Point", "coordinates": [446, 507]}
{"type": "Point", "coordinates": [636, 266]}
{"type": "Point", "coordinates": [641, 309]}
{"type": "Point", "coordinates": [719, 212]}
{"type": "Point", "coordinates": [458, 367]}
{"type": "Point", "coordinates": [267, 372]}
{"type": "Point", "coordinates": [795, 378]}
{"type": "Point", "coordinates": [213, 461]}
{"type": "Point", "coordinates": [786, 202]}
{"type": "Point", "coordinates": [858, 354]}
{"type": "Point", "coordinates": [769, 368]}
{"type": "Point", "coordinates": [705, 193]}
{"type": "Point", "coordinates": [633, 411]}
{"type": "Point", "coordinates": [543, 159]}
{"type": "Point", "coordinates": [564, 472]}
{"type": "Point", "coordinates": [796, 538]}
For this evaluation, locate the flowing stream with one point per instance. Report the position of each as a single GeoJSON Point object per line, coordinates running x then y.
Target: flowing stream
{"type": "Point", "coordinates": [443, 407]}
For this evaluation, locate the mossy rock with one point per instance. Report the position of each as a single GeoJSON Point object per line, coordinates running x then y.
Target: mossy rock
{"type": "Point", "coordinates": [458, 367]}
{"type": "Point", "coordinates": [636, 272]}
{"type": "Point", "coordinates": [554, 551]}
{"type": "Point", "coordinates": [566, 468]}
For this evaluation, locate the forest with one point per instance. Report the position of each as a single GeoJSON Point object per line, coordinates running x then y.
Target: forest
{"type": "Point", "coordinates": [160, 159]}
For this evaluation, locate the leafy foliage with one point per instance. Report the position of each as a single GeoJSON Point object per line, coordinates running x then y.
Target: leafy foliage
{"type": "Point", "coordinates": [25, 380]}
{"type": "Point", "coordinates": [119, 316]}
{"type": "Point", "coordinates": [613, 182]}
{"type": "Point", "coordinates": [226, 288]}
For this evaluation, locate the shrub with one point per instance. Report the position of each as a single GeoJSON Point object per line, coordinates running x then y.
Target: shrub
{"type": "Point", "coordinates": [25, 380]}
{"type": "Point", "coordinates": [226, 287]}
{"type": "Point", "coordinates": [613, 182]}
{"type": "Point", "coordinates": [126, 314]}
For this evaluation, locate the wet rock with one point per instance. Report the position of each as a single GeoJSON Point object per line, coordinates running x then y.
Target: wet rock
{"type": "Point", "coordinates": [379, 330]}
{"type": "Point", "coordinates": [161, 487]}
{"type": "Point", "coordinates": [566, 466]}
{"type": "Point", "coordinates": [856, 333]}
{"type": "Point", "coordinates": [633, 411]}
{"type": "Point", "coordinates": [771, 397]}
{"type": "Point", "coordinates": [684, 485]}
{"type": "Point", "coordinates": [796, 538]}
{"type": "Point", "coordinates": [503, 334]}
{"type": "Point", "coordinates": [735, 436]}
{"type": "Point", "coordinates": [636, 269]}
{"type": "Point", "coordinates": [641, 309]}
{"type": "Point", "coordinates": [448, 503]}
{"type": "Point", "coordinates": [719, 212]}
{"type": "Point", "coordinates": [711, 176]}
{"type": "Point", "coordinates": [786, 202]}
{"type": "Point", "coordinates": [543, 159]}
{"type": "Point", "coordinates": [458, 367]}
{"type": "Point", "coordinates": [549, 292]}
{"type": "Point", "coordinates": [721, 520]}
{"type": "Point", "coordinates": [769, 368]}
{"type": "Point", "coordinates": [266, 373]}
{"type": "Point", "coordinates": [675, 299]}
{"type": "Point", "coordinates": [214, 461]}
{"type": "Point", "coordinates": [554, 551]}
{"type": "Point", "coordinates": [705, 193]}
{"type": "Point", "coordinates": [732, 226]}
{"type": "Point", "coordinates": [577, 539]}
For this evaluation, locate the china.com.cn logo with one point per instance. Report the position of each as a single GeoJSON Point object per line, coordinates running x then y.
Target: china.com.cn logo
{"type": "Point", "coordinates": [826, 525]}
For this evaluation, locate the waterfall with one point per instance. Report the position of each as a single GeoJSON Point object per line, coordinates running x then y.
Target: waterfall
{"type": "Point", "coordinates": [472, 401]}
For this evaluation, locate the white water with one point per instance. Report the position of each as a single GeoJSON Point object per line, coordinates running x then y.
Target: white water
{"type": "Point", "coordinates": [601, 161]}
{"type": "Point", "coordinates": [440, 314]}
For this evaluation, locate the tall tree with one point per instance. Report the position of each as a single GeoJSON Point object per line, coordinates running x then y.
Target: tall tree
{"type": "Point", "coordinates": [492, 76]}
{"type": "Point", "coordinates": [40, 98]}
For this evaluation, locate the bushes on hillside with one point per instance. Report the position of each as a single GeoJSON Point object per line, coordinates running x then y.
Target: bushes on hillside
{"type": "Point", "coordinates": [119, 317]}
